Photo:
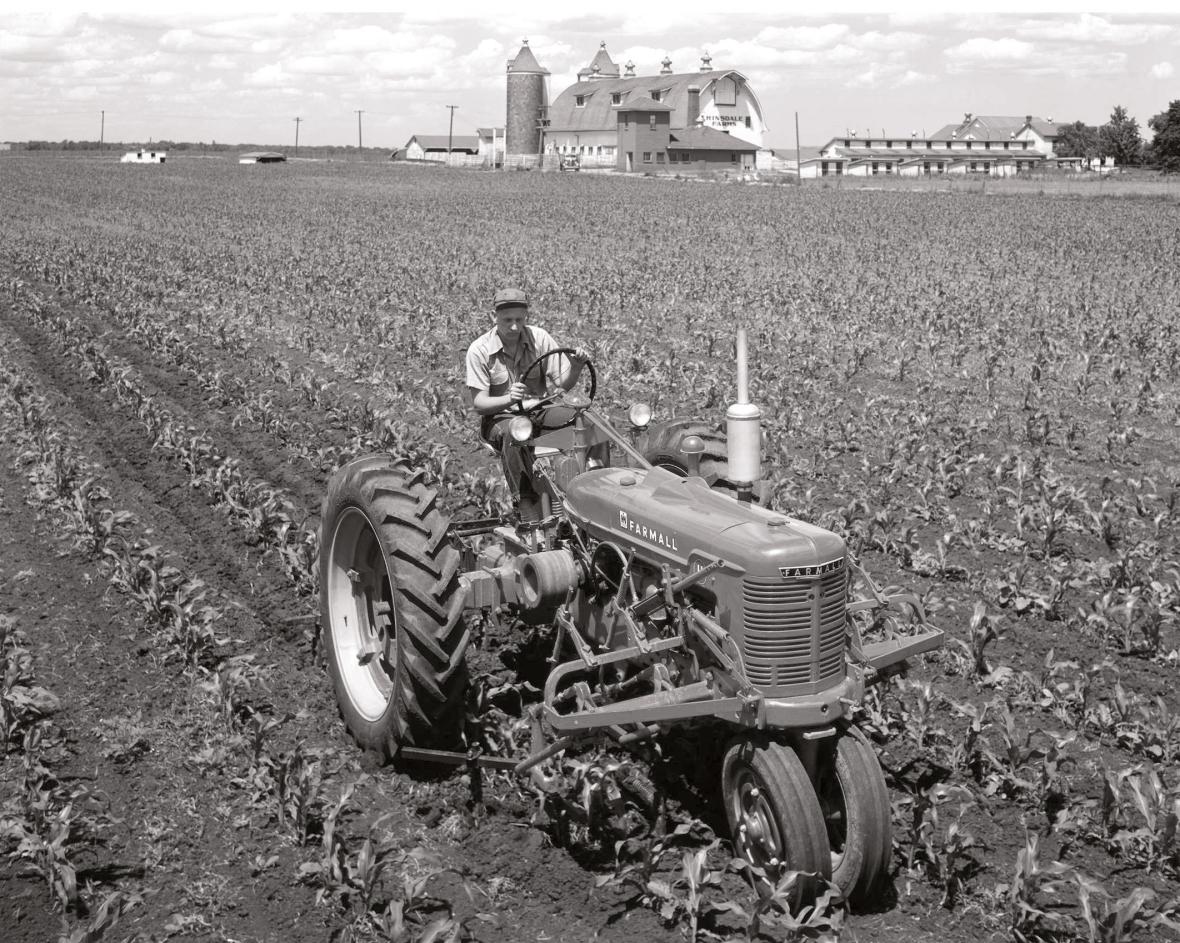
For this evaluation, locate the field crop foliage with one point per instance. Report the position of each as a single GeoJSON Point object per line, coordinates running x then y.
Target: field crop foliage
{"type": "Point", "coordinates": [977, 390]}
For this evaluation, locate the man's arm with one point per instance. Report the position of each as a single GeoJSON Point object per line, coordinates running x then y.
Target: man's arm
{"type": "Point", "coordinates": [488, 405]}
{"type": "Point", "coordinates": [573, 367]}
{"type": "Point", "coordinates": [562, 371]}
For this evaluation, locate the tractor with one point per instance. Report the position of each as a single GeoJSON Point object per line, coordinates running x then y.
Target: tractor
{"type": "Point", "coordinates": [674, 595]}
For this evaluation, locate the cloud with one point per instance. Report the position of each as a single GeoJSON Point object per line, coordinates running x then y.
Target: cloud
{"type": "Point", "coordinates": [803, 37]}
{"type": "Point", "coordinates": [981, 51]}
{"type": "Point", "coordinates": [1163, 70]}
{"type": "Point", "coordinates": [1096, 30]}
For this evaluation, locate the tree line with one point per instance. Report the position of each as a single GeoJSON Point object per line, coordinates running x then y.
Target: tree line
{"type": "Point", "coordinates": [304, 150]}
{"type": "Point", "coordinates": [1120, 138]}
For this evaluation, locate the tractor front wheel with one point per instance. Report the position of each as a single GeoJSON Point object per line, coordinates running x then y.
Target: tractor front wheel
{"type": "Point", "coordinates": [774, 816]}
{"type": "Point", "coordinates": [855, 803]}
{"type": "Point", "coordinates": [391, 608]}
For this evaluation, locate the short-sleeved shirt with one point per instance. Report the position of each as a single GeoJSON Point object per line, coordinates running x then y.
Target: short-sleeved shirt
{"type": "Point", "coordinates": [491, 370]}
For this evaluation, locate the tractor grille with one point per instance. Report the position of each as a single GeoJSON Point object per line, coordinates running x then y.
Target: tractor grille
{"type": "Point", "coordinates": [794, 629]}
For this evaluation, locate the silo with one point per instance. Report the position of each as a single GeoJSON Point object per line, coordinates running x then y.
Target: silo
{"type": "Point", "coordinates": [527, 101]}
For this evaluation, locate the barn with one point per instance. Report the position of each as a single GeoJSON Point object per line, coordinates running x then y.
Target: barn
{"type": "Point", "coordinates": [616, 118]}
{"type": "Point", "coordinates": [436, 146]}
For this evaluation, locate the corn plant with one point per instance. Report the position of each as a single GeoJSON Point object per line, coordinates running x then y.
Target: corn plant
{"type": "Point", "coordinates": [1032, 913]}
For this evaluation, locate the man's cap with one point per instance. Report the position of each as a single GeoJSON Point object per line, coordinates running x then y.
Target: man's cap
{"type": "Point", "coordinates": [507, 297]}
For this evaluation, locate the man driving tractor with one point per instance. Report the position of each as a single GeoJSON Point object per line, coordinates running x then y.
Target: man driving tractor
{"type": "Point", "coordinates": [502, 385]}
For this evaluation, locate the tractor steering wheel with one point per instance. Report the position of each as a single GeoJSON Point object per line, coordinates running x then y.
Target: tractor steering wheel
{"type": "Point", "coordinates": [577, 402]}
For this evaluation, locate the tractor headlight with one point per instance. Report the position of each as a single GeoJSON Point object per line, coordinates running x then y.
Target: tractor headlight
{"type": "Point", "coordinates": [639, 414]}
{"type": "Point", "coordinates": [520, 428]}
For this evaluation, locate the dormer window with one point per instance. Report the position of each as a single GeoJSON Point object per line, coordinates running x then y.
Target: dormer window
{"type": "Point", "coordinates": [579, 101]}
{"type": "Point", "coordinates": [616, 98]}
{"type": "Point", "coordinates": [656, 94]}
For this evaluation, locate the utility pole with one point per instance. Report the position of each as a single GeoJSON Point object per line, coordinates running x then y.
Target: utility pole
{"type": "Point", "coordinates": [102, 130]}
{"type": "Point", "coordinates": [451, 132]}
{"type": "Point", "coordinates": [798, 154]}
{"type": "Point", "coordinates": [297, 120]}
{"type": "Point", "coordinates": [358, 129]}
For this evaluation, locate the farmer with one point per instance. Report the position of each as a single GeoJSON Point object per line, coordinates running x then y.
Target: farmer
{"type": "Point", "coordinates": [495, 364]}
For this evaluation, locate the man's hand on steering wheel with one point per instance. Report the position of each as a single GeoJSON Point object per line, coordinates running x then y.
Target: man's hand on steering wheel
{"type": "Point", "coordinates": [578, 356]}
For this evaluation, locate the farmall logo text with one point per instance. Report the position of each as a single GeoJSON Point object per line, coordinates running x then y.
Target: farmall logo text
{"type": "Point", "coordinates": [797, 572]}
{"type": "Point", "coordinates": [644, 532]}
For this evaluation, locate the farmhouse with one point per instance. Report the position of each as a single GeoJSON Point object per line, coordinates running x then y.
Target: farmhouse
{"type": "Point", "coordinates": [996, 146]}
{"type": "Point", "coordinates": [708, 119]}
{"type": "Point", "coordinates": [143, 156]}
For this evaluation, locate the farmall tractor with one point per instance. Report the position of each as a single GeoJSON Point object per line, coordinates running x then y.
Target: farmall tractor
{"type": "Point", "coordinates": [674, 597]}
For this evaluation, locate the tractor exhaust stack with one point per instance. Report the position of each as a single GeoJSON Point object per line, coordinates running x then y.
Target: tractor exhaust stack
{"type": "Point", "coordinates": [743, 421]}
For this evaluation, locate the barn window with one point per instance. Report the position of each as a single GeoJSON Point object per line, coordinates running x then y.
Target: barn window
{"type": "Point", "coordinates": [656, 95]}
{"type": "Point", "coordinates": [725, 91]}
{"type": "Point", "coordinates": [749, 123]}
{"type": "Point", "coordinates": [647, 157]}
{"type": "Point", "coordinates": [659, 157]}
{"type": "Point", "coordinates": [580, 101]}
{"type": "Point", "coordinates": [651, 122]}
{"type": "Point", "coordinates": [616, 98]}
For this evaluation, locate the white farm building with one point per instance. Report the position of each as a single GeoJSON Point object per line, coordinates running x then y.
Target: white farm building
{"type": "Point", "coordinates": [143, 156]}
{"type": "Point", "coordinates": [995, 146]}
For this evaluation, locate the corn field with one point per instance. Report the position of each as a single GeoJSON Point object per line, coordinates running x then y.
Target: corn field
{"type": "Point", "coordinates": [976, 390]}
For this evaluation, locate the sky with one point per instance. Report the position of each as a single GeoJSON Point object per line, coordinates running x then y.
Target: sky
{"type": "Point", "coordinates": [260, 74]}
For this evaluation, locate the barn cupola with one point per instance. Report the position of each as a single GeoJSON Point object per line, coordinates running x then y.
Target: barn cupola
{"type": "Point", "coordinates": [600, 67]}
{"type": "Point", "coordinates": [630, 67]}
{"type": "Point", "coordinates": [666, 66]}
{"type": "Point", "coordinates": [706, 62]}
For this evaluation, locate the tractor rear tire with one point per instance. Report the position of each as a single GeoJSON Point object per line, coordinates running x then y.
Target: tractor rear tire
{"type": "Point", "coordinates": [855, 803]}
{"type": "Point", "coordinates": [774, 816]}
{"type": "Point", "coordinates": [391, 608]}
{"type": "Point", "coordinates": [661, 447]}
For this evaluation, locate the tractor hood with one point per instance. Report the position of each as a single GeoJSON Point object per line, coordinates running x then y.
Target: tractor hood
{"type": "Point", "coordinates": [683, 522]}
